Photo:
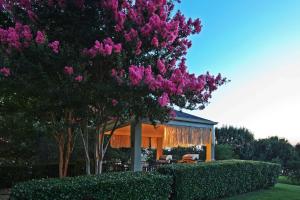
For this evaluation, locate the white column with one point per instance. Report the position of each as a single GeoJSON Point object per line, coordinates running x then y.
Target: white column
{"type": "Point", "coordinates": [213, 145]}
{"type": "Point", "coordinates": [136, 140]}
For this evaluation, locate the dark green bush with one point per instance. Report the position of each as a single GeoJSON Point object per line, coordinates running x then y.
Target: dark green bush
{"type": "Point", "coordinates": [13, 173]}
{"type": "Point", "coordinates": [293, 170]}
{"type": "Point", "coordinates": [225, 152]}
{"type": "Point", "coordinates": [220, 179]}
{"type": "Point", "coordinates": [109, 186]}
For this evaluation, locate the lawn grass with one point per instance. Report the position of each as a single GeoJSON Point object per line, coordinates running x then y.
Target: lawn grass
{"type": "Point", "coordinates": [279, 192]}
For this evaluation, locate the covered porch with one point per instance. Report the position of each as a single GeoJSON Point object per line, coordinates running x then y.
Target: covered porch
{"type": "Point", "coordinates": [184, 130]}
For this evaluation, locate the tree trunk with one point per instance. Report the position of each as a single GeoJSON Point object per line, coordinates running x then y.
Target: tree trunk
{"type": "Point", "coordinates": [101, 152]}
{"type": "Point", "coordinates": [103, 147]}
{"type": "Point", "coordinates": [97, 156]}
{"type": "Point", "coordinates": [61, 157]}
{"type": "Point", "coordinates": [87, 166]}
{"type": "Point", "coordinates": [85, 141]}
{"type": "Point", "coordinates": [65, 147]}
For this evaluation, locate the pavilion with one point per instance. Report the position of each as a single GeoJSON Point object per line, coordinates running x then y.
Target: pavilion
{"type": "Point", "coordinates": [184, 130]}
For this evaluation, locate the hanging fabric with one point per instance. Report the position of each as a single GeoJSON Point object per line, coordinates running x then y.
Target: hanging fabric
{"type": "Point", "coordinates": [185, 136]}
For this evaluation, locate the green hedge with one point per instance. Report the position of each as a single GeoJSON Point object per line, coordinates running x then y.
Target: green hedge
{"type": "Point", "coordinates": [109, 186]}
{"type": "Point", "coordinates": [220, 179]}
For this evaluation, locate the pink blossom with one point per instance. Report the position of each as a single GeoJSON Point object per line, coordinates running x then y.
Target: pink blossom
{"type": "Point", "coordinates": [161, 66]}
{"type": "Point", "coordinates": [163, 100]}
{"type": "Point", "coordinates": [98, 45]}
{"type": "Point", "coordinates": [132, 14]}
{"type": "Point", "coordinates": [111, 4]}
{"type": "Point", "coordinates": [5, 71]}
{"type": "Point", "coordinates": [155, 21]}
{"type": "Point", "coordinates": [40, 38]}
{"type": "Point", "coordinates": [114, 73]}
{"type": "Point", "coordinates": [138, 50]}
{"type": "Point", "coordinates": [78, 78]}
{"type": "Point", "coordinates": [146, 30]}
{"type": "Point", "coordinates": [131, 35]}
{"type": "Point", "coordinates": [92, 52]}
{"type": "Point", "coordinates": [154, 42]}
{"type": "Point", "coordinates": [13, 38]}
{"type": "Point", "coordinates": [136, 74]}
{"type": "Point", "coordinates": [120, 18]}
{"type": "Point", "coordinates": [26, 33]}
{"type": "Point", "coordinates": [68, 70]}
{"type": "Point", "coordinates": [54, 46]}
{"type": "Point", "coordinates": [108, 41]}
{"type": "Point", "coordinates": [114, 102]}
{"type": "Point", "coordinates": [118, 48]}
{"type": "Point", "coordinates": [107, 49]}
{"type": "Point", "coordinates": [32, 16]}
{"type": "Point", "coordinates": [148, 75]}
{"type": "Point", "coordinates": [172, 114]}
{"type": "Point", "coordinates": [197, 25]}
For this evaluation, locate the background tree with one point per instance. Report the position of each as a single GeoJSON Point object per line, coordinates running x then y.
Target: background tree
{"type": "Point", "coordinates": [17, 135]}
{"type": "Point", "coordinates": [240, 139]}
{"type": "Point", "coordinates": [297, 150]}
{"type": "Point", "coordinates": [274, 149]}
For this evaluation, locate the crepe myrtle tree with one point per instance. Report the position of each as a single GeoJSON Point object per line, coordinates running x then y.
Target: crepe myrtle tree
{"type": "Point", "coordinates": [98, 63]}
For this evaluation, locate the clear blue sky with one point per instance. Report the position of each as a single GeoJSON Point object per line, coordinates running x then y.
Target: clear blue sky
{"type": "Point", "coordinates": [256, 44]}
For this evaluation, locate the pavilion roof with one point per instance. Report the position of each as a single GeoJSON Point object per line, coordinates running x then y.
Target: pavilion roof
{"type": "Point", "coordinates": [182, 116]}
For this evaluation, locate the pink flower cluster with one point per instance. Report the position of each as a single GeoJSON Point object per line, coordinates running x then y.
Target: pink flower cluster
{"type": "Point", "coordinates": [78, 78]}
{"type": "Point", "coordinates": [21, 36]}
{"type": "Point", "coordinates": [118, 75]}
{"type": "Point", "coordinates": [105, 48]}
{"type": "Point", "coordinates": [5, 71]}
{"type": "Point", "coordinates": [16, 37]}
{"type": "Point", "coordinates": [54, 46]}
{"type": "Point", "coordinates": [176, 82]}
{"type": "Point", "coordinates": [68, 70]}
{"type": "Point", "coordinates": [164, 100]}
{"type": "Point", "coordinates": [40, 38]}
{"type": "Point", "coordinates": [161, 66]}
{"type": "Point", "coordinates": [136, 74]}
{"type": "Point", "coordinates": [152, 19]}
{"type": "Point", "coordinates": [114, 102]}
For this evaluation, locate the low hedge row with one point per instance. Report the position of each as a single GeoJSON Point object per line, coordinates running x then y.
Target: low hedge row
{"type": "Point", "coordinates": [109, 186]}
{"type": "Point", "coordinates": [220, 179]}
{"type": "Point", "coordinates": [176, 181]}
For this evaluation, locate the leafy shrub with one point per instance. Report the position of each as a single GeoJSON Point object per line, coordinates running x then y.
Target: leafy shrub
{"type": "Point", "coordinates": [293, 170]}
{"type": "Point", "coordinates": [224, 152]}
{"type": "Point", "coordinates": [220, 179]}
{"type": "Point", "coordinates": [287, 180]}
{"type": "Point", "coordinates": [13, 173]}
{"type": "Point", "coordinates": [109, 186]}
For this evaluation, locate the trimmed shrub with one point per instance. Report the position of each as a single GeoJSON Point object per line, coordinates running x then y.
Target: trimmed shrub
{"type": "Point", "coordinates": [220, 179]}
{"type": "Point", "coordinates": [109, 186]}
